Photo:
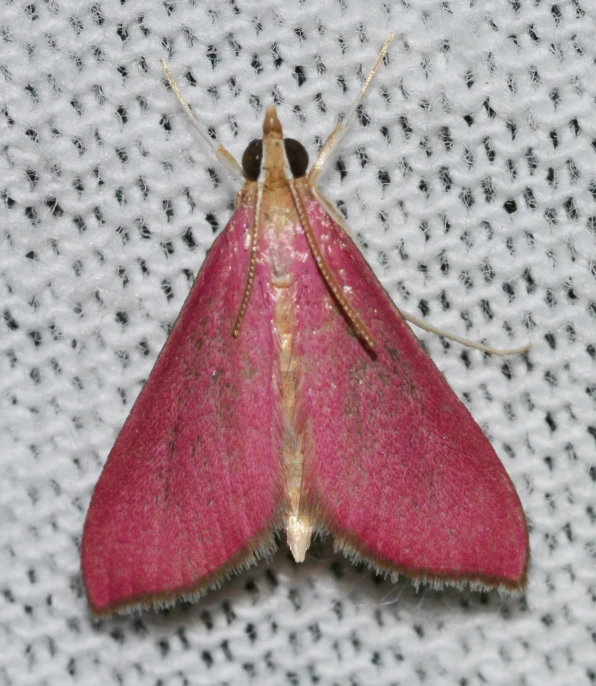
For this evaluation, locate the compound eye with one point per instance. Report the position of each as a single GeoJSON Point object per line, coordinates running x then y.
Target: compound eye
{"type": "Point", "coordinates": [252, 158]}
{"type": "Point", "coordinates": [297, 157]}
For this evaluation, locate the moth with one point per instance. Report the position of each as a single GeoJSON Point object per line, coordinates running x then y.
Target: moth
{"type": "Point", "coordinates": [292, 396]}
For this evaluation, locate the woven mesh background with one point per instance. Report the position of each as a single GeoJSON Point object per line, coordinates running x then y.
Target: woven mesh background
{"type": "Point", "coordinates": [470, 183]}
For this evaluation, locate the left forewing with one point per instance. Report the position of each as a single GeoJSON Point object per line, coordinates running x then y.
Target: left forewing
{"type": "Point", "coordinates": [192, 488]}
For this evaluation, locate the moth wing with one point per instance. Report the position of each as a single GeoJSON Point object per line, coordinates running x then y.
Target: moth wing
{"type": "Point", "coordinates": [395, 466]}
{"type": "Point", "coordinates": [192, 488]}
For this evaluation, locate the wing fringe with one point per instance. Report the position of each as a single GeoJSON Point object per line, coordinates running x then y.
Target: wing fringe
{"type": "Point", "coordinates": [262, 546]}
{"type": "Point", "coordinates": [355, 552]}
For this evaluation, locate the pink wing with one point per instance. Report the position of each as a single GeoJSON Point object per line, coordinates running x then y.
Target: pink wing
{"type": "Point", "coordinates": [399, 471]}
{"type": "Point", "coordinates": [192, 488]}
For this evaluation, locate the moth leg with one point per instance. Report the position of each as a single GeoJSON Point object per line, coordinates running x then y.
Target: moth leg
{"type": "Point", "coordinates": [339, 131]}
{"type": "Point", "coordinates": [332, 210]}
{"type": "Point", "coordinates": [225, 157]}
{"type": "Point", "coordinates": [464, 341]}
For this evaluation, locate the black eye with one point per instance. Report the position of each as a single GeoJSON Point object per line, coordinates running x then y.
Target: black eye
{"type": "Point", "coordinates": [297, 157]}
{"type": "Point", "coordinates": [252, 158]}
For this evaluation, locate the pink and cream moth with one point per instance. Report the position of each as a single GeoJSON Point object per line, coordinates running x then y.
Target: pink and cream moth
{"type": "Point", "coordinates": [292, 395]}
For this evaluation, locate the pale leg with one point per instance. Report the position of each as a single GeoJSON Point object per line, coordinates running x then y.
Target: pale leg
{"type": "Point", "coordinates": [464, 341]}
{"type": "Point", "coordinates": [339, 131]}
{"type": "Point", "coordinates": [225, 157]}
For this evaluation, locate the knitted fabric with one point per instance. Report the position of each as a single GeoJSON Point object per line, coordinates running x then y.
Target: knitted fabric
{"type": "Point", "coordinates": [469, 181]}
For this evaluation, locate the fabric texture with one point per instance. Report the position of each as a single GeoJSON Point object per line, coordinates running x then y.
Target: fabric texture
{"type": "Point", "coordinates": [469, 181]}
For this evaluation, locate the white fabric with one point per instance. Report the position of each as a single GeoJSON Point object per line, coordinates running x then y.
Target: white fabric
{"type": "Point", "coordinates": [108, 201]}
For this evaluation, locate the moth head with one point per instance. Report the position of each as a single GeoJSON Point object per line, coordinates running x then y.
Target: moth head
{"type": "Point", "coordinates": [294, 155]}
